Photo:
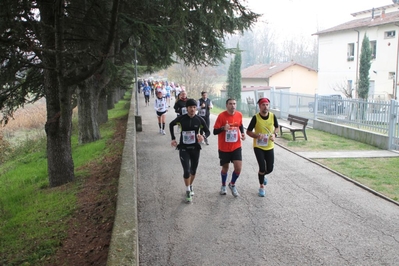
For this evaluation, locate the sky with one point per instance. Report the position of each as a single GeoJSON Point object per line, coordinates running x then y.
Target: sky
{"type": "Point", "coordinates": [305, 17]}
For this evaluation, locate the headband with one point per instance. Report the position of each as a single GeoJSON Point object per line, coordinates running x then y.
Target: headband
{"type": "Point", "coordinates": [263, 100]}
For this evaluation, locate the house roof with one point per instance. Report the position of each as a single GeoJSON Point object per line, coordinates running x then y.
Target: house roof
{"type": "Point", "coordinates": [267, 70]}
{"type": "Point", "coordinates": [259, 88]}
{"type": "Point", "coordinates": [384, 18]}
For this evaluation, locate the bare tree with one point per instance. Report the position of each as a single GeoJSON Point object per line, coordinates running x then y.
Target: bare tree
{"type": "Point", "coordinates": [343, 87]}
{"type": "Point", "coordinates": [194, 79]}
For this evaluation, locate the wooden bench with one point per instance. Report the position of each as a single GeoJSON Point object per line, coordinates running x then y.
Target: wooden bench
{"type": "Point", "coordinates": [296, 123]}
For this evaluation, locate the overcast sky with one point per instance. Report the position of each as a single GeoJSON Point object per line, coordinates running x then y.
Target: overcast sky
{"type": "Point", "coordinates": [304, 17]}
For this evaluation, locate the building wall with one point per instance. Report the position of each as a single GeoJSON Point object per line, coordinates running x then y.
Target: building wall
{"type": "Point", "coordinates": [254, 82]}
{"type": "Point", "coordinates": [298, 78]}
{"type": "Point", "coordinates": [335, 70]}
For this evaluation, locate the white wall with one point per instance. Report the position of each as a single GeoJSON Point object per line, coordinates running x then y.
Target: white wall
{"type": "Point", "coordinates": [335, 70]}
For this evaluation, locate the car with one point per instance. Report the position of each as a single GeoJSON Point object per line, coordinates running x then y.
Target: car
{"type": "Point", "coordinates": [328, 104]}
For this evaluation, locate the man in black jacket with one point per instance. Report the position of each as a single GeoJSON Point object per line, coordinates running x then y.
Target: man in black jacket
{"type": "Point", "coordinates": [188, 146]}
{"type": "Point", "coordinates": [204, 107]}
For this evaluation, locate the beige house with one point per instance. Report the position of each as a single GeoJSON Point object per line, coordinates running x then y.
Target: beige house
{"type": "Point", "coordinates": [298, 78]}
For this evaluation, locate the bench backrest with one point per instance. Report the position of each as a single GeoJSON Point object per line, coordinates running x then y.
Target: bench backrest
{"type": "Point", "coordinates": [297, 120]}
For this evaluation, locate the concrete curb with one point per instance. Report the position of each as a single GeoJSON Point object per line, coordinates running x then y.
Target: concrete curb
{"type": "Point", "coordinates": [124, 249]}
{"type": "Point", "coordinates": [341, 175]}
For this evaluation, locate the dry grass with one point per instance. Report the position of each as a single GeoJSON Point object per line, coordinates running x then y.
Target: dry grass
{"type": "Point", "coordinates": [31, 117]}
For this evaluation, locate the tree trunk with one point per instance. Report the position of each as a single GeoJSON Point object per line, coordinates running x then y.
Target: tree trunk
{"type": "Point", "coordinates": [110, 99]}
{"type": "Point", "coordinates": [88, 94]}
{"type": "Point", "coordinates": [102, 116]}
{"type": "Point", "coordinates": [58, 126]}
{"type": "Point", "coordinates": [58, 130]}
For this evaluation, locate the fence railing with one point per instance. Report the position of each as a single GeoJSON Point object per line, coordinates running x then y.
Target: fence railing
{"type": "Point", "coordinates": [380, 117]}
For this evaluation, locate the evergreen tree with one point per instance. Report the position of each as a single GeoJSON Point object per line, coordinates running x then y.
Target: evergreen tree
{"type": "Point", "coordinates": [234, 77]}
{"type": "Point", "coordinates": [237, 76]}
{"type": "Point", "coordinates": [230, 80]}
{"type": "Point", "coordinates": [49, 48]}
{"type": "Point", "coordinates": [364, 68]}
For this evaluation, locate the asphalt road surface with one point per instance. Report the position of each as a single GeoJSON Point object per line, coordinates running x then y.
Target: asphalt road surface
{"type": "Point", "coordinates": [310, 215]}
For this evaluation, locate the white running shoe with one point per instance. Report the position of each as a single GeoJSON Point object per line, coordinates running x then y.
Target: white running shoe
{"type": "Point", "coordinates": [234, 190]}
{"type": "Point", "coordinates": [223, 190]}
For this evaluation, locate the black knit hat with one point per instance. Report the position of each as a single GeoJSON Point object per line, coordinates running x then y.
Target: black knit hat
{"type": "Point", "coordinates": [191, 102]}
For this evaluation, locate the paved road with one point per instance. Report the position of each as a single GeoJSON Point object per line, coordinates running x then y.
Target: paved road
{"type": "Point", "coordinates": [310, 215]}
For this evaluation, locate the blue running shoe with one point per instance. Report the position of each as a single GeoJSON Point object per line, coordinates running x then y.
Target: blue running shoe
{"type": "Point", "coordinates": [265, 181]}
{"type": "Point", "coordinates": [262, 192]}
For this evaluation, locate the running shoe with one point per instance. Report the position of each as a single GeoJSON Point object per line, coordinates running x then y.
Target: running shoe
{"type": "Point", "coordinates": [160, 131]}
{"type": "Point", "coordinates": [223, 190]}
{"type": "Point", "coordinates": [265, 181]}
{"type": "Point", "coordinates": [234, 190]}
{"type": "Point", "coordinates": [206, 141]}
{"type": "Point", "coordinates": [163, 132]}
{"type": "Point", "coordinates": [192, 190]}
{"type": "Point", "coordinates": [188, 196]}
{"type": "Point", "coordinates": [262, 192]}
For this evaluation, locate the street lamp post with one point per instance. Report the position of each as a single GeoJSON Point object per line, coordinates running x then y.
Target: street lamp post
{"type": "Point", "coordinates": [139, 126]}
{"type": "Point", "coordinates": [136, 81]}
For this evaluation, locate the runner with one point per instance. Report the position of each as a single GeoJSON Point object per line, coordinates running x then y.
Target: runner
{"type": "Point", "coordinates": [189, 147]}
{"type": "Point", "coordinates": [161, 108]}
{"type": "Point", "coordinates": [266, 126]}
{"type": "Point", "coordinates": [230, 131]}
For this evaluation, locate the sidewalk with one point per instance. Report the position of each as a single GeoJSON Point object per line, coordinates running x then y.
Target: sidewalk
{"type": "Point", "coordinates": [348, 154]}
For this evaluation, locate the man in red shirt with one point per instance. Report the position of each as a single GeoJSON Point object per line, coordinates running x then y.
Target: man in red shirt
{"type": "Point", "coordinates": [230, 131]}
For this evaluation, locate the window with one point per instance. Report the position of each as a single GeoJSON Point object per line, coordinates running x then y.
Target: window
{"type": "Point", "coordinates": [389, 34]}
{"type": "Point", "coordinates": [351, 51]}
{"type": "Point", "coordinates": [373, 47]}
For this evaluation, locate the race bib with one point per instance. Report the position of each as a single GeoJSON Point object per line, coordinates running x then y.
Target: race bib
{"type": "Point", "coordinates": [202, 112]}
{"type": "Point", "coordinates": [263, 141]}
{"type": "Point", "coordinates": [231, 135]}
{"type": "Point", "coordinates": [184, 110]}
{"type": "Point", "coordinates": [188, 137]}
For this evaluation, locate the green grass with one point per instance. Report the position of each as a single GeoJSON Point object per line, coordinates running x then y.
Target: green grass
{"type": "Point", "coordinates": [33, 217]}
{"type": "Point", "coordinates": [379, 174]}
{"type": "Point", "coordinates": [321, 141]}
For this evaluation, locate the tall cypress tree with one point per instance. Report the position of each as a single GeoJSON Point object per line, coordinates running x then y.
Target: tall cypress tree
{"type": "Point", "coordinates": [237, 75]}
{"type": "Point", "coordinates": [364, 68]}
{"type": "Point", "coordinates": [234, 77]}
{"type": "Point", "coordinates": [230, 80]}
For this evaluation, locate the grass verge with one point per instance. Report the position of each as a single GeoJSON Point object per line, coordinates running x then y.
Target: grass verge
{"type": "Point", "coordinates": [34, 217]}
{"type": "Point", "coordinates": [379, 174]}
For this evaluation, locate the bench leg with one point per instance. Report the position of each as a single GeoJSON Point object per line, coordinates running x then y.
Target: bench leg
{"type": "Point", "coordinates": [293, 135]}
{"type": "Point", "coordinates": [304, 134]}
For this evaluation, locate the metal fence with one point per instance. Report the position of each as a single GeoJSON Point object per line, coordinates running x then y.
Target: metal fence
{"type": "Point", "coordinates": [380, 117]}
